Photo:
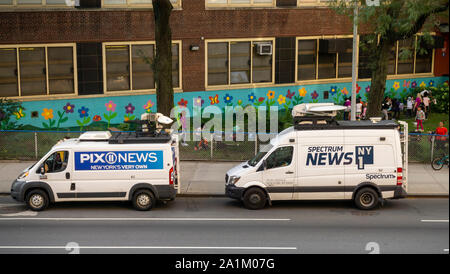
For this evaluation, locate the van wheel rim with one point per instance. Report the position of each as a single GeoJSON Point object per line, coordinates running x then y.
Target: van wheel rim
{"type": "Point", "coordinates": [36, 200]}
{"type": "Point", "coordinates": [143, 200]}
{"type": "Point", "coordinates": [367, 199]}
{"type": "Point", "coordinates": [254, 198]}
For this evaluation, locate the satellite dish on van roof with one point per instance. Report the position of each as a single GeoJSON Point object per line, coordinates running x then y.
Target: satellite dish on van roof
{"type": "Point", "coordinates": [316, 109]}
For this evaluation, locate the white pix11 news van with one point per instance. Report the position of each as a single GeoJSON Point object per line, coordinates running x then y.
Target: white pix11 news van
{"type": "Point", "coordinates": [141, 167]}
{"type": "Point", "coordinates": [320, 158]}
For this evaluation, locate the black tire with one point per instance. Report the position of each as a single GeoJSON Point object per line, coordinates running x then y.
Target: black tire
{"type": "Point", "coordinates": [37, 200]}
{"type": "Point", "coordinates": [435, 164]}
{"type": "Point", "coordinates": [254, 198]}
{"type": "Point", "coordinates": [143, 200]}
{"type": "Point", "coordinates": [366, 199]}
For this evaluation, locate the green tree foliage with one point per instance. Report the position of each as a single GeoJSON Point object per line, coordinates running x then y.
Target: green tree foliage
{"type": "Point", "coordinates": [8, 110]}
{"type": "Point", "coordinates": [385, 24]}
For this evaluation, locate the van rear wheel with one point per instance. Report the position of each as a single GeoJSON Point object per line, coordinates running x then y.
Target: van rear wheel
{"type": "Point", "coordinates": [366, 199]}
{"type": "Point", "coordinates": [255, 198]}
{"type": "Point", "coordinates": [37, 200]}
{"type": "Point", "coordinates": [143, 200]}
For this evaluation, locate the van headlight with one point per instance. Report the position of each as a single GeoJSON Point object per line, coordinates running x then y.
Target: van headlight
{"type": "Point", "coordinates": [233, 180]}
{"type": "Point", "coordinates": [23, 175]}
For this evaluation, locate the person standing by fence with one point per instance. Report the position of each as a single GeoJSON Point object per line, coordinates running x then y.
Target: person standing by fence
{"type": "Point", "coordinates": [409, 106]}
{"type": "Point", "coordinates": [420, 116]}
{"type": "Point", "coordinates": [441, 140]}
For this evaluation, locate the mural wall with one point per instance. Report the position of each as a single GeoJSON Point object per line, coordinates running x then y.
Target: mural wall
{"type": "Point", "coordinates": [102, 112]}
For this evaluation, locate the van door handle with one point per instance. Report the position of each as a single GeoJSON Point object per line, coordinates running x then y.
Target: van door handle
{"type": "Point", "coordinates": [67, 175]}
{"type": "Point", "coordinates": [72, 186]}
{"type": "Point", "coordinates": [289, 172]}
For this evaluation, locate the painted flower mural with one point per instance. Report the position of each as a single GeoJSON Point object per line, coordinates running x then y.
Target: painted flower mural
{"type": "Point", "coordinates": [431, 83]}
{"type": "Point", "coordinates": [281, 99]}
{"type": "Point", "coordinates": [414, 84]}
{"type": "Point", "coordinates": [251, 97]}
{"type": "Point", "coordinates": [227, 98]}
{"type": "Point", "coordinates": [182, 103]}
{"type": "Point", "coordinates": [198, 102]}
{"type": "Point", "coordinates": [302, 92]}
{"type": "Point", "coordinates": [111, 114]}
{"type": "Point", "coordinates": [68, 108]}
{"type": "Point", "coordinates": [270, 94]}
{"type": "Point", "coordinates": [47, 113]}
{"type": "Point", "coordinates": [129, 110]}
{"type": "Point", "coordinates": [333, 90]}
{"type": "Point", "coordinates": [84, 113]}
{"type": "Point", "coordinates": [97, 118]}
{"type": "Point", "coordinates": [110, 106]}
{"type": "Point", "coordinates": [396, 85]}
{"type": "Point", "coordinates": [314, 96]}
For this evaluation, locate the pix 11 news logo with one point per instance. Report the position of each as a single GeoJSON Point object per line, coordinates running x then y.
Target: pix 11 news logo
{"type": "Point", "coordinates": [72, 3]}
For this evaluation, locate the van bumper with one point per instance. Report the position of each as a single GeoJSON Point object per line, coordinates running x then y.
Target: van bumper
{"type": "Point", "coordinates": [166, 192]}
{"type": "Point", "coordinates": [400, 193]}
{"type": "Point", "coordinates": [234, 192]}
{"type": "Point", "coordinates": [16, 190]}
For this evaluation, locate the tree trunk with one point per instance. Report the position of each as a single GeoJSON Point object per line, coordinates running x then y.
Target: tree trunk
{"type": "Point", "coordinates": [379, 76]}
{"type": "Point", "coordinates": [163, 59]}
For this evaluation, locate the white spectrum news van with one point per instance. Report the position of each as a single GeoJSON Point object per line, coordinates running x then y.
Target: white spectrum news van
{"type": "Point", "coordinates": [323, 159]}
{"type": "Point", "coordinates": [100, 166]}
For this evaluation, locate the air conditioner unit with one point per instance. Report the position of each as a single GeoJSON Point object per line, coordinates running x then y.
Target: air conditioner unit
{"type": "Point", "coordinates": [264, 48]}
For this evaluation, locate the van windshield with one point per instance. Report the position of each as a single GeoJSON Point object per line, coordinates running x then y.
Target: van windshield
{"type": "Point", "coordinates": [255, 160]}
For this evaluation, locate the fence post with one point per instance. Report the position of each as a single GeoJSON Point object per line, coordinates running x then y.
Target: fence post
{"type": "Point", "coordinates": [35, 145]}
{"type": "Point", "coordinates": [432, 148]}
{"type": "Point", "coordinates": [212, 144]}
{"type": "Point", "coordinates": [256, 144]}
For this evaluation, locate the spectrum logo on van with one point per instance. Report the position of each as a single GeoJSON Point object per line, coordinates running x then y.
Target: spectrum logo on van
{"type": "Point", "coordinates": [119, 160]}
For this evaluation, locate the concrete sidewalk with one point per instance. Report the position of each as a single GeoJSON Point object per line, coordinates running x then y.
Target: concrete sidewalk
{"type": "Point", "coordinates": [208, 178]}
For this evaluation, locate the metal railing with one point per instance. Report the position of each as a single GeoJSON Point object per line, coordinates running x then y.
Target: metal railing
{"type": "Point", "coordinates": [32, 145]}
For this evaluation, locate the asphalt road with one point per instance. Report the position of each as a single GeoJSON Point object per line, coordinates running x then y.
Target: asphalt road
{"type": "Point", "coordinates": [220, 225]}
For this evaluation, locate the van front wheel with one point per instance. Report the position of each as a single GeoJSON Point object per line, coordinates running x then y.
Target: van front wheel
{"type": "Point", "coordinates": [366, 199]}
{"type": "Point", "coordinates": [143, 200]}
{"type": "Point", "coordinates": [37, 200]}
{"type": "Point", "coordinates": [254, 198]}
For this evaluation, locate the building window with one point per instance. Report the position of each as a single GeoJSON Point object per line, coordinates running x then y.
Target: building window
{"type": "Point", "coordinates": [135, 3]}
{"type": "Point", "coordinates": [404, 57]}
{"type": "Point", "coordinates": [240, 3]}
{"type": "Point", "coordinates": [37, 70]}
{"type": "Point", "coordinates": [423, 58]}
{"type": "Point", "coordinates": [240, 62]}
{"type": "Point", "coordinates": [33, 3]}
{"type": "Point", "coordinates": [128, 66]}
{"type": "Point", "coordinates": [302, 3]}
{"type": "Point", "coordinates": [324, 58]}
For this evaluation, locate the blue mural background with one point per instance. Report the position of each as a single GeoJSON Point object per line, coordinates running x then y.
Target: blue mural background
{"type": "Point", "coordinates": [81, 112]}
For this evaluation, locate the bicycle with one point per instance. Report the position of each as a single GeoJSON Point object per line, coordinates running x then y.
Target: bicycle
{"type": "Point", "coordinates": [439, 162]}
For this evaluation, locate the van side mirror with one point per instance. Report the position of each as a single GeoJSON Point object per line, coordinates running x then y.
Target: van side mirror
{"type": "Point", "coordinates": [42, 170]}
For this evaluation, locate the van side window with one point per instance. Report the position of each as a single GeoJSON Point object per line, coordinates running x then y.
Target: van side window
{"type": "Point", "coordinates": [281, 157]}
{"type": "Point", "coordinates": [56, 162]}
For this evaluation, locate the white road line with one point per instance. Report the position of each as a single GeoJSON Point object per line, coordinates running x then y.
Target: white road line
{"type": "Point", "coordinates": [156, 247]}
{"type": "Point", "coordinates": [143, 219]}
{"type": "Point", "coordinates": [434, 221]}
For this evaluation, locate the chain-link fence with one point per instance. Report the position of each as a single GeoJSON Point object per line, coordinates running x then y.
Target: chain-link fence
{"type": "Point", "coordinates": [32, 145]}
